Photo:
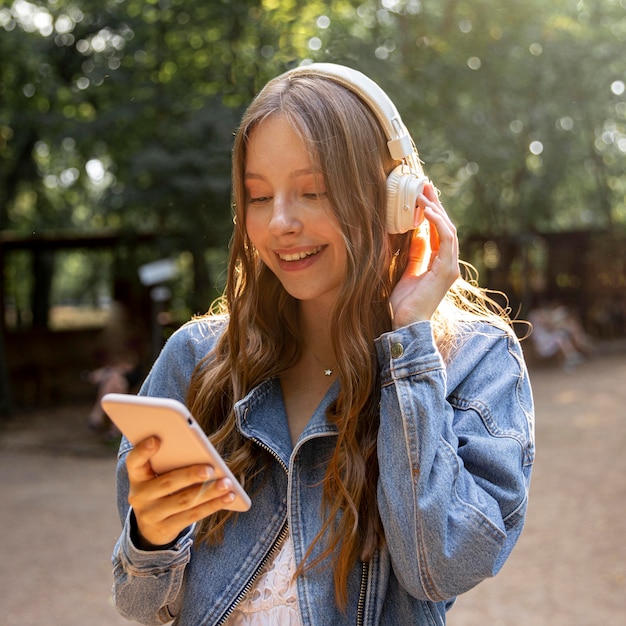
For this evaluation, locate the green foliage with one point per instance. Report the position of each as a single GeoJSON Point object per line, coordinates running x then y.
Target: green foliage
{"type": "Point", "coordinates": [510, 105]}
{"type": "Point", "coordinates": [120, 114]}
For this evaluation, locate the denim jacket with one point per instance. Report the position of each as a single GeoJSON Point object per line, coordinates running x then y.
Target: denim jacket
{"type": "Point", "coordinates": [455, 448]}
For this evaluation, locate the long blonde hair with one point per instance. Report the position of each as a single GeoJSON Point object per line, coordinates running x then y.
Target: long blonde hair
{"type": "Point", "coordinates": [261, 339]}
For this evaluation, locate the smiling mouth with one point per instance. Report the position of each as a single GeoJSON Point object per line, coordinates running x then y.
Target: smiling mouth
{"type": "Point", "coordinates": [298, 256]}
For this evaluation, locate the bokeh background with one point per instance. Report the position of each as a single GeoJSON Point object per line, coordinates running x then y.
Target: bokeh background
{"type": "Point", "coordinates": [116, 128]}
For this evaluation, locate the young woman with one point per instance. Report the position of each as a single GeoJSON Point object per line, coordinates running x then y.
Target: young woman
{"type": "Point", "coordinates": [374, 406]}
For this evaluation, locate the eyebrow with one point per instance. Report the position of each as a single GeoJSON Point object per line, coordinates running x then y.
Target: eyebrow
{"type": "Point", "coordinates": [296, 174]}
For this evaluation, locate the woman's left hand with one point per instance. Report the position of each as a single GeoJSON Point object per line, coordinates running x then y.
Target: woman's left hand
{"type": "Point", "coordinates": [426, 281]}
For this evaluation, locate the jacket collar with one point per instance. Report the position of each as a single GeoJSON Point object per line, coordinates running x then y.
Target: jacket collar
{"type": "Point", "coordinates": [261, 416]}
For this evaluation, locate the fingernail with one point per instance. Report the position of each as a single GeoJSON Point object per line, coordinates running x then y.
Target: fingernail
{"type": "Point", "coordinates": [205, 472]}
{"type": "Point", "coordinates": [225, 484]}
{"type": "Point", "coordinates": [150, 443]}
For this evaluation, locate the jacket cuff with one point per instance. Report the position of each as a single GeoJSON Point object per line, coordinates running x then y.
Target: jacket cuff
{"type": "Point", "coordinates": [407, 351]}
{"type": "Point", "coordinates": [138, 559]}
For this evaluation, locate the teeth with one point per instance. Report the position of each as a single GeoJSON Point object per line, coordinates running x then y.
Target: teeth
{"type": "Point", "coordinates": [296, 256]}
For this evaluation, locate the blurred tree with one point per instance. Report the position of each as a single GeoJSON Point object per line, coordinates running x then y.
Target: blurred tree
{"type": "Point", "coordinates": [120, 114]}
{"type": "Point", "coordinates": [518, 109]}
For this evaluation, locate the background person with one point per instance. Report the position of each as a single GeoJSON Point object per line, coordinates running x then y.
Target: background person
{"type": "Point", "coordinates": [120, 352]}
{"type": "Point", "coordinates": [557, 333]}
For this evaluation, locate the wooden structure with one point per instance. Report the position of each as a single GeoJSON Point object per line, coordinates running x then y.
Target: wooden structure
{"type": "Point", "coordinates": [37, 365]}
{"type": "Point", "coordinates": [585, 270]}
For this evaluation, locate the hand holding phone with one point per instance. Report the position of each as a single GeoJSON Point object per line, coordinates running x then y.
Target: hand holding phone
{"type": "Point", "coordinates": [182, 441]}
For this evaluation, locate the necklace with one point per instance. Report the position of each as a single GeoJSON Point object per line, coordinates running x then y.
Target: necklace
{"type": "Point", "coordinates": [327, 370]}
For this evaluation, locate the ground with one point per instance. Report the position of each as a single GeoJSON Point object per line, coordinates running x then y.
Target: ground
{"type": "Point", "coordinates": [59, 519]}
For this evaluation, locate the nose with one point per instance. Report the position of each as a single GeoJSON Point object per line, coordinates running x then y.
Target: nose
{"type": "Point", "coordinates": [285, 217]}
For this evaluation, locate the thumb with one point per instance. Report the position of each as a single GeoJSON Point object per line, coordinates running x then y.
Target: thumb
{"type": "Point", "coordinates": [419, 252]}
{"type": "Point", "coordinates": [138, 459]}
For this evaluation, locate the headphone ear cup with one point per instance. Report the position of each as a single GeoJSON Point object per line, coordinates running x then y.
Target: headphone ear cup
{"type": "Point", "coordinates": [403, 188]}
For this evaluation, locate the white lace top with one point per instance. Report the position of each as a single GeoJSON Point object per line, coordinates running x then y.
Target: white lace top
{"type": "Point", "coordinates": [273, 600]}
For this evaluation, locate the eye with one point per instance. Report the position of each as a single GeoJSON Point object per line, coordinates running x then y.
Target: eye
{"type": "Point", "coordinates": [258, 199]}
{"type": "Point", "coordinates": [315, 195]}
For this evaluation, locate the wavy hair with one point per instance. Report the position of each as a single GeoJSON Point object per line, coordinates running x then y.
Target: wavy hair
{"type": "Point", "coordinates": [261, 340]}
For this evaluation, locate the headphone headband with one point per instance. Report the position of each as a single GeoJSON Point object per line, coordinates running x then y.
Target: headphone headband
{"type": "Point", "coordinates": [406, 181]}
{"type": "Point", "coordinates": [399, 141]}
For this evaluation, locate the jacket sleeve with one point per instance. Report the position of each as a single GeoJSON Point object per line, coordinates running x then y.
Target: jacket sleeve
{"type": "Point", "coordinates": [147, 585]}
{"type": "Point", "coordinates": [455, 447]}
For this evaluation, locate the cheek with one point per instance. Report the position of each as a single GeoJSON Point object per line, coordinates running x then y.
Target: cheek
{"type": "Point", "coordinates": [256, 231]}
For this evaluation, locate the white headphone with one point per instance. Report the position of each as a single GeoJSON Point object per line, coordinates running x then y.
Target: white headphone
{"type": "Point", "coordinates": [406, 182]}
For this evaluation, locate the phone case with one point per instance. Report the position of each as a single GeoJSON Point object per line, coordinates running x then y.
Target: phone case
{"type": "Point", "coordinates": [183, 442]}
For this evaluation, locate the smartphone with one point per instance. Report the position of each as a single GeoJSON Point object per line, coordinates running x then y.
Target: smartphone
{"type": "Point", "coordinates": [183, 442]}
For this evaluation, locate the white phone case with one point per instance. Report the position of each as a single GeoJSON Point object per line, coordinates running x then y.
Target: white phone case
{"type": "Point", "coordinates": [183, 442]}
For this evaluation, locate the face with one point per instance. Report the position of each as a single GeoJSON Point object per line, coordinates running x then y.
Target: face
{"type": "Point", "coordinates": [288, 218]}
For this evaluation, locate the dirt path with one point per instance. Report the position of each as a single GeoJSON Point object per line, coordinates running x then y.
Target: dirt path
{"type": "Point", "coordinates": [569, 568]}
{"type": "Point", "coordinates": [59, 521]}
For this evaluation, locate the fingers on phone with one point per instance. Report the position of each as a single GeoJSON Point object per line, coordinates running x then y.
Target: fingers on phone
{"type": "Point", "coordinates": [192, 504]}
{"type": "Point", "coordinates": [187, 492]}
{"type": "Point", "coordinates": [193, 477]}
{"type": "Point", "coordinates": [138, 459]}
{"type": "Point", "coordinates": [221, 490]}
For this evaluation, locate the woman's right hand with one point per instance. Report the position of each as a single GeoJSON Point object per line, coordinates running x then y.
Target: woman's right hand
{"type": "Point", "coordinates": [167, 504]}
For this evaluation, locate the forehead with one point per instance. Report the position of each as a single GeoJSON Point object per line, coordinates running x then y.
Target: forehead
{"type": "Point", "coordinates": [275, 143]}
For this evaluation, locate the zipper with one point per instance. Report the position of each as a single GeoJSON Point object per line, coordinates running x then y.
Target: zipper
{"type": "Point", "coordinates": [365, 568]}
{"type": "Point", "coordinates": [273, 551]}
{"type": "Point", "coordinates": [279, 540]}
{"type": "Point", "coordinates": [282, 535]}
{"type": "Point", "coordinates": [268, 449]}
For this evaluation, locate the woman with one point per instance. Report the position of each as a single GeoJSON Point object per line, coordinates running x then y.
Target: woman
{"type": "Point", "coordinates": [374, 407]}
